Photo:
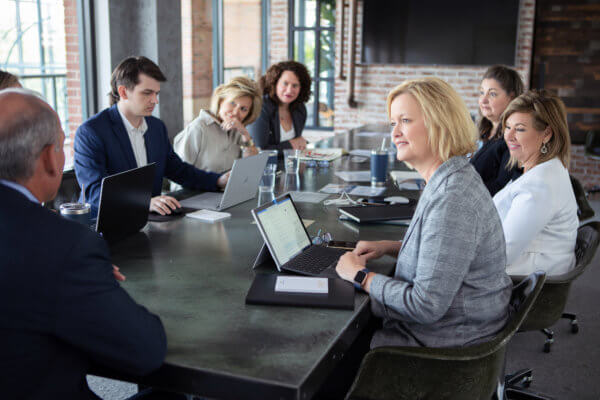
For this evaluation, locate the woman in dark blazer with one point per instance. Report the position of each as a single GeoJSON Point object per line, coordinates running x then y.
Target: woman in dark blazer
{"type": "Point", "coordinates": [498, 87]}
{"type": "Point", "coordinates": [286, 88]}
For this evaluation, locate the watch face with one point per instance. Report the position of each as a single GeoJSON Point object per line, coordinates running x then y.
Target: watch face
{"type": "Point", "coordinates": [360, 277]}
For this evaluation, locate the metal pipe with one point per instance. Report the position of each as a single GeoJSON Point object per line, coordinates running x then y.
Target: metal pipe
{"type": "Point", "coordinates": [343, 25]}
{"type": "Point", "coordinates": [352, 54]}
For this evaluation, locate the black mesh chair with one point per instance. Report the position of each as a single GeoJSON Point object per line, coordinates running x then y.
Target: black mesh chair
{"type": "Point", "coordinates": [584, 210]}
{"type": "Point", "coordinates": [549, 306]}
{"type": "Point", "coordinates": [68, 191]}
{"type": "Point", "coordinates": [470, 372]}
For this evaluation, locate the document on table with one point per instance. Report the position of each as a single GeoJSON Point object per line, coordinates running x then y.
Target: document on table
{"type": "Point", "coordinates": [361, 152]}
{"type": "Point", "coordinates": [403, 175]}
{"type": "Point", "coordinates": [367, 191]}
{"type": "Point", "coordinates": [301, 284]}
{"type": "Point", "coordinates": [354, 176]}
{"type": "Point", "coordinates": [208, 215]}
{"type": "Point", "coordinates": [308, 197]}
{"type": "Point", "coordinates": [371, 134]}
{"type": "Point", "coordinates": [335, 188]}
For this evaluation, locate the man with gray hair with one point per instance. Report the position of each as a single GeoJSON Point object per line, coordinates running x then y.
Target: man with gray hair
{"type": "Point", "coordinates": [61, 309]}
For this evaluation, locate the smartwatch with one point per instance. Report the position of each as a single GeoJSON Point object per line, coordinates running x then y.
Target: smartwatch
{"type": "Point", "coordinates": [360, 278]}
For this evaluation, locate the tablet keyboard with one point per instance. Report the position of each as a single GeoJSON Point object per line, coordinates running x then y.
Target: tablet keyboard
{"type": "Point", "coordinates": [314, 260]}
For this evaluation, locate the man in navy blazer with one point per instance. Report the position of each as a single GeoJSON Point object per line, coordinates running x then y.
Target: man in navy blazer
{"type": "Point", "coordinates": [61, 308]}
{"type": "Point", "coordinates": [126, 136]}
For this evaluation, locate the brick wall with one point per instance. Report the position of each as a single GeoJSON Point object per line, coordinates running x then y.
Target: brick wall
{"type": "Point", "coordinates": [242, 34]}
{"type": "Point", "coordinates": [73, 74]}
{"type": "Point", "coordinates": [373, 82]}
{"type": "Point", "coordinates": [196, 47]}
{"type": "Point", "coordinates": [566, 59]}
{"type": "Point", "coordinates": [278, 40]}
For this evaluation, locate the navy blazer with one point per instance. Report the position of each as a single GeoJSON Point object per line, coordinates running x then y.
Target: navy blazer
{"type": "Point", "coordinates": [61, 309]}
{"type": "Point", "coordinates": [266, 131]}
{"type": "Point", "coordinates": [490, 162]}
{"type": "Point", "coordinates": [102, 147]}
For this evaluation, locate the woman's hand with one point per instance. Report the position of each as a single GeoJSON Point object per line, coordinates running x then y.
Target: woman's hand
{"type": "Point", "coordinates": [371, 250]}
{"type": "Point", "coordinates": [250, 151]}
{"type": "Point", "coordinates": [298, 143]}
{"type": "Point", "coordinates": [234, 123]}
{"type": "Point", "coordinates": [348, 265]}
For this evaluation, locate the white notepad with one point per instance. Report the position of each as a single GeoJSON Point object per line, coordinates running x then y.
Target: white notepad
{"type": "Point", "coordinates": [301, 284]}
{"type": "Point", "coordinates": [208, 215]}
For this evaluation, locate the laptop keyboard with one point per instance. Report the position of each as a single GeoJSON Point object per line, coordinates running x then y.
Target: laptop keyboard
{"type": "Point", "coordinates": [314, 260]}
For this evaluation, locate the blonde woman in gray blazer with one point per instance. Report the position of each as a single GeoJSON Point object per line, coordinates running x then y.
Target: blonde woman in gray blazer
{"type": "Point", "coordinates": [538, 210]}
{"type": "Point", "coordinates": [450, 287]}
{"type": "Point", "coordinates": [217, 137]}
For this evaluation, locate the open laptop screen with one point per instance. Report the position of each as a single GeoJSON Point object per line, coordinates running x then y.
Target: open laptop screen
{"type": "Point", "coordinates": [283, 229]}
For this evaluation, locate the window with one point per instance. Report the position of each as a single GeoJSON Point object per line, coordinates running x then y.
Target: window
{"type": "Point", "coordinates": [35, 47]}
{"type": "Point", "coordinates": [239, 29]}
{"type": "Point", "coordinates": [311, 42]}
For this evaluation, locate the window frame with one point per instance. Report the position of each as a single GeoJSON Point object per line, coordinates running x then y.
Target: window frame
{"type": "Point", "coordinates": [317, 79]}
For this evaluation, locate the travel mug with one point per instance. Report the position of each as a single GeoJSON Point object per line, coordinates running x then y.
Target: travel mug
{"type": "Point", "coordinates": [379, 162]}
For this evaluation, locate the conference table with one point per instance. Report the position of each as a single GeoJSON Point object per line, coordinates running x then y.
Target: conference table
{"type": "Point", "coordinates": [195, 276]}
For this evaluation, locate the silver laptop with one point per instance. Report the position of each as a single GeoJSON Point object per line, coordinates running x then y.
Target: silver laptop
{"type": "Point", "coordinates": [289, 243]}
{"type": "Point", "coordinates": [241, 186]}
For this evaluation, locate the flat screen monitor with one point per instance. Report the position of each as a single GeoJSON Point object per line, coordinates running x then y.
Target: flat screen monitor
{"type": "Point", "coordinates": [440, 32]}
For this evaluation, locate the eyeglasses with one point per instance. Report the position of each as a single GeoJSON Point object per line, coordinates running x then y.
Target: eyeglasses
{"type": "Point", "coordinates": [322, 238]}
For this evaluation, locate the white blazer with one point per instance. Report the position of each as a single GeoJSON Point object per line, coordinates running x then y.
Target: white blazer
{"type": "Point", "coordinates": [539, 218]}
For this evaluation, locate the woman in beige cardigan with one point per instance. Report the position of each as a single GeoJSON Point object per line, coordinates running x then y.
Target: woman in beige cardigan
{"type": "Point", "coordinates": [217, 137]}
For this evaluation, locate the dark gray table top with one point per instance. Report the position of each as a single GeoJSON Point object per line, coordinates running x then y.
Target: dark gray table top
{"type": "Point", "coordinates": [195, 276]}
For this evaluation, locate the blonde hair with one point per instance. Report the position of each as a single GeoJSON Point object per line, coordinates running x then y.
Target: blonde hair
{"type": "Point", "coordinates": [546, 110]}
{"type": "Point", "coordinates": [450, 129]}
{"type": "Point", "coordinates": [239, 86]}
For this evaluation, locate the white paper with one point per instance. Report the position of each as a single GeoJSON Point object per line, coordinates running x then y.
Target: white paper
{"type": "Point", "coordinates": [308, 197]}
{"type": "Point", "coordinates": [208, 215]}
{"type": "Point", "coordinates": [360, 152]}
{"type": "Point", "coordinates": [367, 191]}
{"type": "Point", "coordinates": [301, 284]}
{"type": "Point", "coordinates": [335, 188]}
{"type": "Point", "coordinates": [399, 176]}
{"type": "Point", "coordinates": [408, 186]}
{"type": "Point", "coordinates": [397, 199]}
{"type": "Point", "coordinates": [354, 176]}
{"type": "Point", "coordinates": [371, 134]}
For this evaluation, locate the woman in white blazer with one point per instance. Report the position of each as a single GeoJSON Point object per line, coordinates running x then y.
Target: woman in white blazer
{"type": "Point", "coordinates": [538, 210]}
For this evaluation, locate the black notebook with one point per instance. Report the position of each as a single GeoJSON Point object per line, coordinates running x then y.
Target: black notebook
{"type": "Point", "coordinates": [340, 294]}
{"type": "Point", "coordinates": [378, 213]}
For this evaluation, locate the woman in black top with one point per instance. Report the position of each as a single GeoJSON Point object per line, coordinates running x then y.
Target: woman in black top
{"type": "Point", "coordinates": [286, 88]}
{"type": "Point", "coordinates": [498, 87]}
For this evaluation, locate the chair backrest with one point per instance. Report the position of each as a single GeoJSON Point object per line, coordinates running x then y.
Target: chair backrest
{"type": "Point", "coordinates": [470, 373]}
{"type": "Point", "coordinates": [584, 210]}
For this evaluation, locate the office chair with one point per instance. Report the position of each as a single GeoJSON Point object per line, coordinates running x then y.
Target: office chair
{"type": "Point", "coordinates": [549, 306]}
{"type": "Point", "coordinates": [592, 144]}
{"type": "Point", "coordinates": [548, 309]}
{"type": "Point", "coordinates": [584, 210]}
{"type": "Point", "coordinates": [68, 191]}
{"type": "Point", "coordinates": [469, 372]}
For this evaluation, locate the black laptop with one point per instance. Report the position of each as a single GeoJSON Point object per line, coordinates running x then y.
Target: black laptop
{"type": "Point", "coordinates": [289, 243]}
{"type": "Point", "coordinates": [125, 202]}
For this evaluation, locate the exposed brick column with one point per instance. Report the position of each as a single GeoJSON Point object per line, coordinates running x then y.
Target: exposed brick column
{"type": "Point", "coordinates": [196, 21]}
{"type": "Point", "coordinates": [279, 31]}
{"type": "Point", "coordinates": [73, 74]}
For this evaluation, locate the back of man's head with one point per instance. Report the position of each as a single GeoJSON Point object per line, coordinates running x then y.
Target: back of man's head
{"type": "Point", "coordinates": [27, 126]}
{"type": "Point", "coordinates": [128, 73]}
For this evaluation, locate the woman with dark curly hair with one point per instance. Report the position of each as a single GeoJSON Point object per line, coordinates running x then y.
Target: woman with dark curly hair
{"type": "Point", "coordinates": [286, 87]}
{"type": "Point", "coordinates": [499, 86]}
{"type": "Point", "coordinates": [8, 80]}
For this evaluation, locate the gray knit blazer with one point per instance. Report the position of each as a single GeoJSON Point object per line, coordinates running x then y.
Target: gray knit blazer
{"type": "Point", "coordinates": [450, 287]}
